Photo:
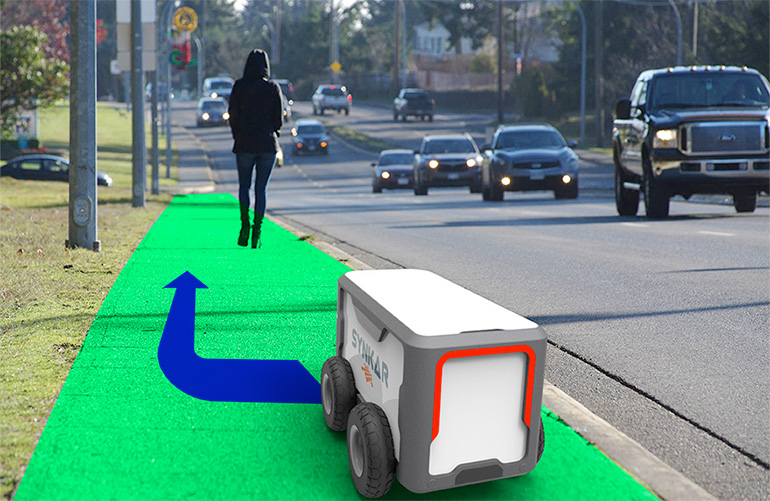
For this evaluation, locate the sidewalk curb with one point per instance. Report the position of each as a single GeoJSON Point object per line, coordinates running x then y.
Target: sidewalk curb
{"type": "Point", "coordinates": [660, 478]}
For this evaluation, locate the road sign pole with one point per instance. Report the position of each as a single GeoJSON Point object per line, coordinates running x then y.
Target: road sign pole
{"type": "Point", "coordinates": [82, 172]}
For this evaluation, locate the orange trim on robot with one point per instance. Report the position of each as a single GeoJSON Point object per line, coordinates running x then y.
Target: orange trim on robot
{"type": "Point", "coordinates": [475, 352]}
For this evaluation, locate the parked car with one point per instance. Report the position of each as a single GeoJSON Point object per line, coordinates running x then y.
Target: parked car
{"type": "Point", "coordinates": [309, 137]}
{"type": "Point", "coordinates": [393, 169]}
{"type": "Point", "coordinates": [688, 130]}
{"type": "Point", "coordinates": [415, 102]}
{"type": "Point", "coordinates": [212, 111]}
{"type": "Point", "coordinates": [529, 157]}
{"type": "Point", "coordinates": [41, 167]}
{"type": "Point", "coordinates": [447, 160]}
{"type": "Point", "coordinates": [331, 97]}
{"type": "Point", "coordinates": [219, 86]}
{"type": "Point", "coordinates": [287, 89]}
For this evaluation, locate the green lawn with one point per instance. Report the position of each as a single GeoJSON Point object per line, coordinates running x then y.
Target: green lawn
{"type": "Point", "coordinates": [49, 295]}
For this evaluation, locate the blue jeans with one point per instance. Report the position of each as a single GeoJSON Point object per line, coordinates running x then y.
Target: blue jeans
{"type": "Point", "coordinates": [264, 163]}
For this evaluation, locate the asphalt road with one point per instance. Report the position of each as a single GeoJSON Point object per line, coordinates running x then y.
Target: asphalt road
{"type": "Point", "coordinates": [658, 326]}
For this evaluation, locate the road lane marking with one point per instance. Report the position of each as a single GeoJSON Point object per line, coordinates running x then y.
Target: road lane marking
{"type": "Point", "coordinates": [717, 233]}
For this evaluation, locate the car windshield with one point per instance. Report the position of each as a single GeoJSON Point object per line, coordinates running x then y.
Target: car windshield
{"type": "Point", "coordinates": [396, 158]}
{"type": "Point", "coordinates": [310, 129]}
{"type": "Point", "coordinates": [449, 146]}
{"type": "Point", "coordinates": [514, 140]}
{"type": "Point", "coordinates": [707, 89]}
{"type": "Point", "coordinates": [221, 85]}
{"type": "Point", "coordinates": [213, 106]}
{"type": "Point", "coordinates": [332, 92]}
{"type": "Point", "coordinates": [415, 95]}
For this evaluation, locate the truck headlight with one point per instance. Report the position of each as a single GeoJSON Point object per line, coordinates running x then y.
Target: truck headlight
{"type": "Point", "coordinates": [226, 115]}
{"type": "Point", "coordinates": [471, 162]}
{"type": "Point", "coordinates": [665, 138]}
{"type": "Point", "coordinates": [385, 174]}
{"type": "Point", "coordinates": [205, 116]}
{"type": "Point", "coordinates": [433, 164]}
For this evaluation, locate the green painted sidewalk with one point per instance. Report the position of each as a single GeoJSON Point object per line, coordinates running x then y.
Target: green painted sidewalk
{"type": "Point", "coordinates": [121, 430]}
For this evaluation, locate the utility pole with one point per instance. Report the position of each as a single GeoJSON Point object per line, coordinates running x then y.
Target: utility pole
{"type": "Point", "coordinates": [397, 64]}
{"type": "Point", "coordinates": [599, 72]}
{"type": "Point", "coordinates": [82, 172]}
{"type": "Point", "coordinates": [500, 60]}
{"type": "Point", "coordinates": [139, 152]}
{"type": "Point", "coordinates": [277, 54]}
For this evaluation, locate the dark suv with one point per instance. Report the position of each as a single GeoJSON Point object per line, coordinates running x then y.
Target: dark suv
{"type": "Point", "coordinates": [447, 160]}
{"type": "Point", "coordinates": [689, 130]}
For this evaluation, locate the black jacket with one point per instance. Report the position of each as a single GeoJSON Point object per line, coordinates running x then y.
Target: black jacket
{"type": "Point", "coordinates": [256, 110]}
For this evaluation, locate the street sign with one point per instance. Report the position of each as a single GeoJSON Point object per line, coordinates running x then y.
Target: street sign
{"type": "Point", "coordinates": [336, 66]}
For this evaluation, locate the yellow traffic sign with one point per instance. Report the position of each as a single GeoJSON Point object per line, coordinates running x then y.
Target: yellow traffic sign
{"type": "Point", "coordinates": [185, 19]}
{"type": "Point", "coordinates": [336, 66]}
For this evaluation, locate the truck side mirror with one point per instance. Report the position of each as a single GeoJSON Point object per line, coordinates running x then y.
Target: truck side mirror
{"type": "Point", "coordinates": [416, 152]}
{"type": "Point", "coordinates": [486, 147]}
{"type": "Point", "coordinates": [623, 109]}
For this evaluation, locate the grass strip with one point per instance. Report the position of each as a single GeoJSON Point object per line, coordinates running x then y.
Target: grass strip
{"type": "Point", "coordinates": [49, 295]}
{"type": "Point", "coordinates": [120, 429]}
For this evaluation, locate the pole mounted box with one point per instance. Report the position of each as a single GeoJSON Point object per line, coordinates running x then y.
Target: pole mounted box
{"type": "Point", "coordinates": [454, 379]}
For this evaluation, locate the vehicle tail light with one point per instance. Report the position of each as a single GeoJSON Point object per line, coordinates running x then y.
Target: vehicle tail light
{"type": "Point", "coordinates": [323, 144]}
{"type": "Point", "coordinates": [350, 98]}
{"type": "Point", "coordinates": [299, 145]}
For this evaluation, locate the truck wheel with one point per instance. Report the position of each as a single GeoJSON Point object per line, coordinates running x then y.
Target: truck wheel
{"type": "Point", "coordinates": [376, 188]}
{"type": "Point", "coordinates": [541, 443]}
{"type": "Point", "coordinates": [626, 201]}
{"type": "Point", "coordinates": [370, 450]}
{"type": "Point", "coordinates": [656, 197]}
{"type": "Point", "coordinates": [745, 202]}
{"type": "Point", "coordinates": [338, 392]}
{"type": "Point", "coordinates": [430, 118]}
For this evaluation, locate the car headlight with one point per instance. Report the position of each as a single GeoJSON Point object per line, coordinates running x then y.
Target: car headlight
{"type": "Point", "coordinates": [385, 174]}
{"type": "Point", "coordinates": [433, 164]}
{"type": "Point", "coordinates": [471, 162]}
{"type": "Point", "coordinates": [214, 95]}
{"type": "Point", "coordinates": [226, 115]}
{"type": "Point", "coordinates": [205, 116]}
{"type": "Point", "coordinates": [665, 138]}
{"type": "Point", "coordinates": [324, 144]}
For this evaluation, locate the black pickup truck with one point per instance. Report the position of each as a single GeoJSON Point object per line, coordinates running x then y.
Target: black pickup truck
{"type": "Point", "coordinates": [415, 102]}
{"type": "Point", "coordinates": [688, 130]}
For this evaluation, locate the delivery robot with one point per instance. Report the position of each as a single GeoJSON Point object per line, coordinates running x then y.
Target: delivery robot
{"type": "Point", "coordinates": [434, 384]}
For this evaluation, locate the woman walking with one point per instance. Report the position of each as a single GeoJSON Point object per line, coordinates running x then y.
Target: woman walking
{"type": "Point", "coordinates": [256, 118]}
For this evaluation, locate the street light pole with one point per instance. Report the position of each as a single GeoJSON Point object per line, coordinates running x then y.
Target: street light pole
{"type": "Point", "coordinates": [500, 61]}
{"type": "Point", "coordinates": [139, 152]}
{"type": "Point", "coordinates": [582, 74]}
{"type": "Point", "coordinates": [82, 172]}
{"type": "Point", "coordinates": [678, 33]}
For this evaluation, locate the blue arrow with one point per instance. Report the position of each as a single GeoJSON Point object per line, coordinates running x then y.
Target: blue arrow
{"type": "Point", "coordinates": [225, 380]}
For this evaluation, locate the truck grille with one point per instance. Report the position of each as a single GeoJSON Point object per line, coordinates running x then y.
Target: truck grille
{"type": "Point", "coordinates": [725, 137]}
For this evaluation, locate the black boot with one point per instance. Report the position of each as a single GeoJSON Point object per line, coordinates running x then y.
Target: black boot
{"type": "Point", "coordinates": [243, 237]}
{"type": "Point", "coordinates": [256, 231]}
